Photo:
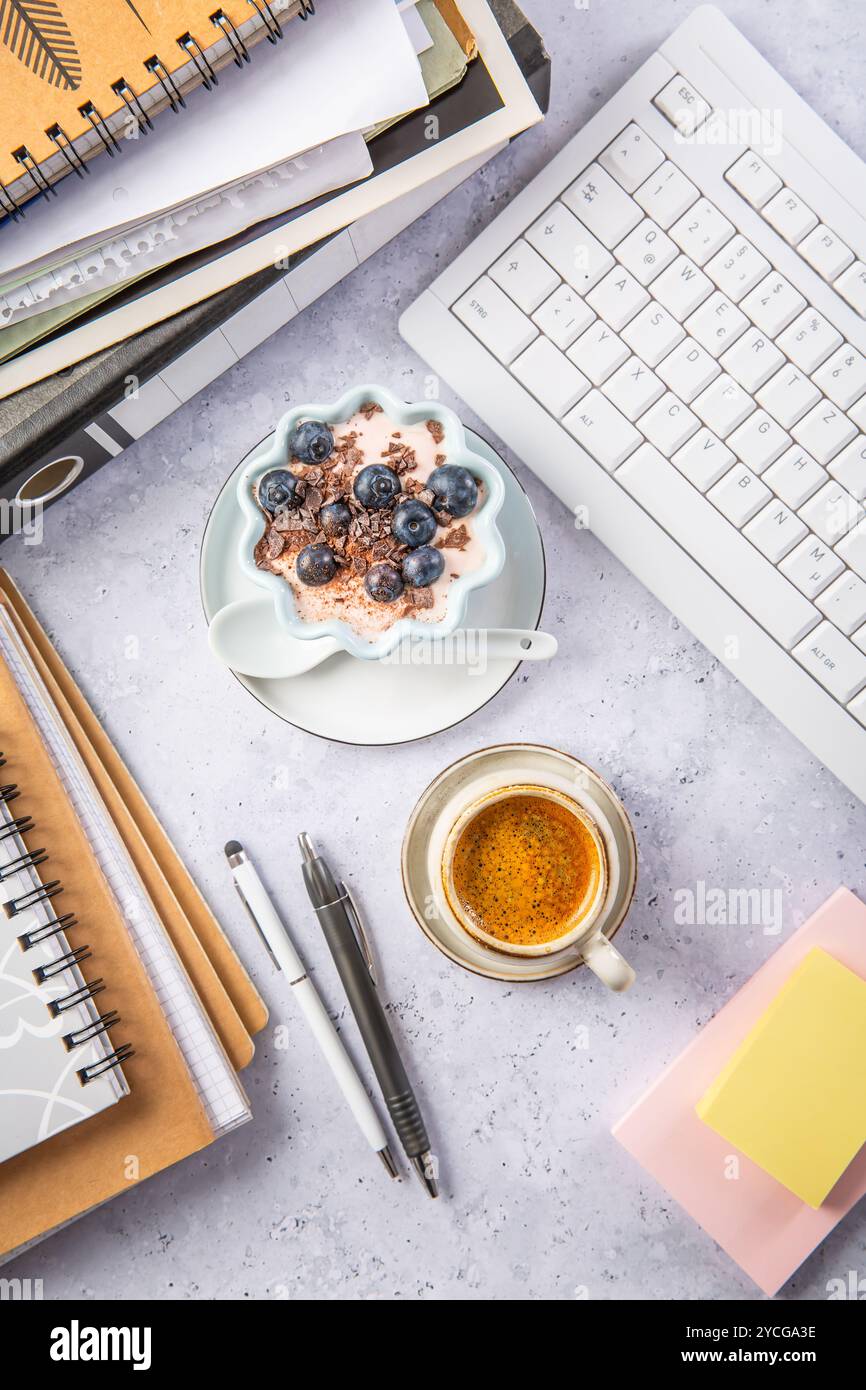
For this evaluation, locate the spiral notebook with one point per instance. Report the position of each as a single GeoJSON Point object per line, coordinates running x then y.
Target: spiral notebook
{"type": "Point", "coordinates": [78, 75]}
{"type": "Point", "coordinates": [57, 1063]}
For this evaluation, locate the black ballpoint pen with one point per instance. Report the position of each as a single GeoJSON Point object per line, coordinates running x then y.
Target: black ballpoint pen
{"type": "Point", "coordinates": [340, 923]}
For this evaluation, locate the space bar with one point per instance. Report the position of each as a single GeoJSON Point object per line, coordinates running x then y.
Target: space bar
{"type": "Point", "coordinates": [717, 546]}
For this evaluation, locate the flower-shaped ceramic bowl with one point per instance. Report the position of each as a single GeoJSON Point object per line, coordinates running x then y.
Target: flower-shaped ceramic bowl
{"type": "Point", "coordinates": [483, 523]}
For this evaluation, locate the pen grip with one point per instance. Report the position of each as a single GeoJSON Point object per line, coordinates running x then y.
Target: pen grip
{"type": "Point", "coordinates": [373, 1025]}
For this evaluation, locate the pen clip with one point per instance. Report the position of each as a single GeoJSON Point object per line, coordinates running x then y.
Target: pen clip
{"type": "Point", "coordinates": [255, 921]}
{"type": "Point", "coordinates": [360, 933]}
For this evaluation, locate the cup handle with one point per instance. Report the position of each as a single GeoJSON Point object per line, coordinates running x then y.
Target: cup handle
{"type": "Point", "coordinates": [605, 960]}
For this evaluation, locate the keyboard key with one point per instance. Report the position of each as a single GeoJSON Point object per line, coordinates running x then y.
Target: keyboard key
{"type": "Point", "coordinates": [811, 565]}
{"type": "Point", "coordinates": [704, 459]}
{"type": "Point", "coordinates": [851, 285]}
{"type": "Point", "coordinates": [571, 248]}
{"type": "Point", "coordinates": [857, 707]}
{"type": "Point", "coordinates": [834, 661]}
{"type": "Point", "coordinates": [702, 231]}
{"type": "Point", "coordinates": [667, 194]}
{"type": "Point", "coordinates": [737, 268]}
{"type": "Point", "coordinates": [602, 206]}
{"type": "Point", "coordinates": [849, 468]}
{"type": "Point", "coordinates": [752, 359]}
{"type": "Point", "coordinates": [617, 298]}
{"type": "Point", "coordinates": [773, 304]}
{"type": "Point", "coordinates": [683, 105]}
{"type": "Point", "coordinates": [681, 288]}
{"type": "Point", "coordinates": [488, 312]}
{"type": "Point", "coordinates": [790, 216]}
{"type": "Point", "coordinates": [598, 352]}
{"type": "Point", "coordinates": [844, 602]}
{"type": "Point", "coordinates": [710, 539]}
{"type": "Point", "coordinates": [753, 179]}
{"type": "Point", "coordinates": [739, 495]}
{"type": "Point", "coordinates": [717, 323]}
{"type": "Point", "coordinates": [688, 369]}
{"type": "Point", "coordinates": [857, 412]}
{"type": "Point", "coordinates": [602, 431]}
{"type": "Point", "coordinates": [852, 549]}
{"type": "Point", "coordinates": [723, 405]}
{"type": "Point", "coordinates": [809, 340]}
{"type": "Point", "coordinates": [859, 639]}
{"type": "Point", "coordinates": [652, 334]}
{"type": "Point", "coordinates": [775, 530]}
{"type": "Point", "coordinates": [631, 158]}
{"type": "Point", "coordinates": [825, 252]}
{"type": "Point", "coordinates": [549, 375]}
{"type": "Point", "coordinates": [646, 251]}
{"type": "Point", "coordinates": [668, 424]}
{"type": "Point", "coordinates": [758, 441]}
{"type": "Point", "coordinates": [563, 317]}
{"type": "Point", "coordinates": [795, 476]}
{"type": "Point", "coordinates": [831, 512]}
{"type": "Point", "coordinates": [824, 431]}
{"type": "Point", "coordinates": [524, 276]}
{"type": "Point", "coordinates": [788, 395]}
{"type": "Point", "coordinates": [633, 388]}
{"type": "Point", "coordinates": [843, 376]}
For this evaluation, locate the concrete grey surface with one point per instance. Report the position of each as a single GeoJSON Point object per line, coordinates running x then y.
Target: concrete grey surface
{"type": "Point", "coordinates": [520, 1086]}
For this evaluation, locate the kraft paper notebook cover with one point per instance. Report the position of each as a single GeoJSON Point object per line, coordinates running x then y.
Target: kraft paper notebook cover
{"type": "Point", "coordinates": [162, 1119]}
{"type": "Point", "coordinates": [763, 1227]}
{"type": "Point", "coordinates": [206, 952]}
{"type": "Point", "coordinates": [118, 60]}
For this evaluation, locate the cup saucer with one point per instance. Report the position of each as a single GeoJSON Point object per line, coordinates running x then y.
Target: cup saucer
{"type": "Point", "coordinates": [470, 778]}
{"type": "Point", "coordinates": [400, 703]}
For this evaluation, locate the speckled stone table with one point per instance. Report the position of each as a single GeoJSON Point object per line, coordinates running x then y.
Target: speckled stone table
{"type": "Point", "coordinates": [520, 1086]}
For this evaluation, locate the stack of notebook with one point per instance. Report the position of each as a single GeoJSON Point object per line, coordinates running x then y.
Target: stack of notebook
{"type": "Point", "coordinates": [125, 1015]}
{"type": "Point", "coordinates": [258, 153]}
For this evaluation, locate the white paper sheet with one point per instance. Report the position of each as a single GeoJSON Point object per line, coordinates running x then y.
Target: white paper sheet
{"type": "Point", "coordinates": [206, 222]}
{"type": "Point", "coordinates": [344, 70]}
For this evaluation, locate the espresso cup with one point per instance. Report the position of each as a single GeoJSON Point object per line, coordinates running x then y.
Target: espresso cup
{"type": "Point", "coordinates": [581, 929]}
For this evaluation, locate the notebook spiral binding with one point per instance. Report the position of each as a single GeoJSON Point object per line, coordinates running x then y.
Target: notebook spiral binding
{"type": "Point", "coordinates": [69, 960]}
{"type": "Point", "coordinates": [142, 123]}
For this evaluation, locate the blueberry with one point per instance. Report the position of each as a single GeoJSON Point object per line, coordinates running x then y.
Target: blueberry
{"type": "Point", "coordinates": [413, 523]}
{"type": "Point", "coordinates": [423, 566]}
{"type": "Point", "coordinates": [278, 490]}
{"type": "Point", "coordinates": [455, 489]}
{"type": "Point", "coordinates": [335, 518]}
{"type": "Point", "coordinates": [315, 564]}
{"type": "Point", "coordinates": [383, 582]}
{"type": "Point", "coordinates": [311, 442]}
{"type": "Point", "coordinates": [376, 485]}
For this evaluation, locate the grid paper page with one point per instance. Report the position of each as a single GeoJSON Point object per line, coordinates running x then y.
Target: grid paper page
{"type": "Point", "coordinates": [221, 1093]}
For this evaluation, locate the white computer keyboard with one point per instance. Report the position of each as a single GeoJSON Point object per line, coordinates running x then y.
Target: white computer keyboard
{"type": "Point", "coordinates": [669, 326]}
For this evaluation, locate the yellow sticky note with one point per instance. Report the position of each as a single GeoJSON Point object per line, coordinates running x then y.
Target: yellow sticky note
{"type": "Point", "coordinates": [793, 1096]}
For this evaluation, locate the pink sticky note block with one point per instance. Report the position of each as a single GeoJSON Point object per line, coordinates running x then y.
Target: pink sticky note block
{"type": "Point", "coordinates": [759, 1223]}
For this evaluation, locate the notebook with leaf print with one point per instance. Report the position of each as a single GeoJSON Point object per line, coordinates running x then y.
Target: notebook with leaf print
{"type": "Point", "coordinates": [79, 76]}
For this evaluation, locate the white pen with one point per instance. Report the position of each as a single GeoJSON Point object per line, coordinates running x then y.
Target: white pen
{"type": "Point", "coordinates": [253, 895]}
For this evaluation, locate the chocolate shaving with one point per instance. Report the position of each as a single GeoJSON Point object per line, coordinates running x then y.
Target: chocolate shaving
{"type": "Point", "coordinates": [369, 409]}
{"type": "Point", "coordinates": [455, 539]}
{"type": "Point", "coordinates": [422, 598]}
{"type": "Point", "coordinates": [437, 429]}
{"type": "Point", "coordinates": [440, 458]}
{"type": "Point", "coordinates": [275, 544]}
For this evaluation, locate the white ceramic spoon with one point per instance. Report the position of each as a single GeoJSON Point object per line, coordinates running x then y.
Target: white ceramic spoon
{"type": "Point", "coordinates": [247, 637]}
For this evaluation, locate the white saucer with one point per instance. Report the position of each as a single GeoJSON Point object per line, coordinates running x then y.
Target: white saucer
{"type": "Point", "coordinates": [399, 703]}
{"type": "Point", "coordinates": [473, 776]}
